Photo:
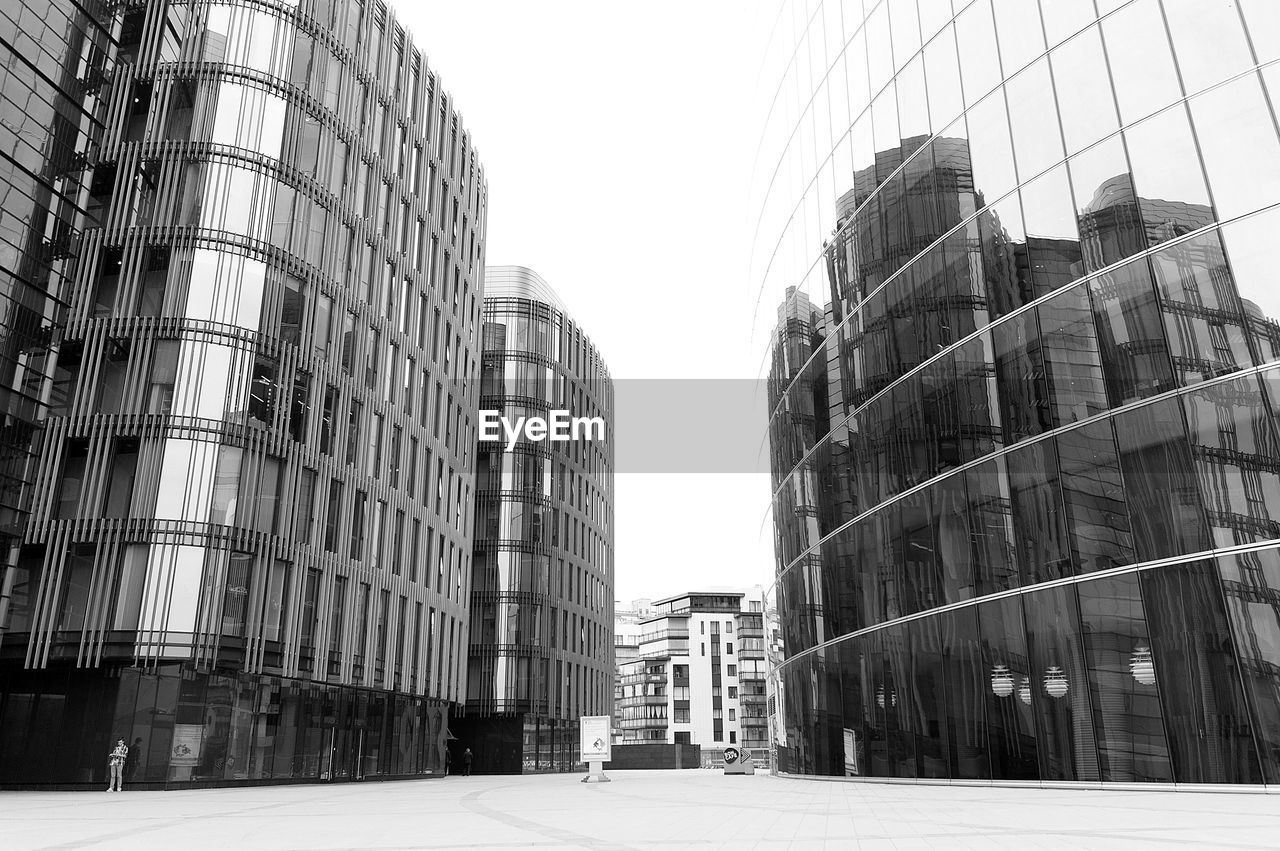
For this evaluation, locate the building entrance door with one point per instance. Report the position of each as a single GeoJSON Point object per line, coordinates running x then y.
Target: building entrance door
{"type": "Point", "coordinates": [343, 753]}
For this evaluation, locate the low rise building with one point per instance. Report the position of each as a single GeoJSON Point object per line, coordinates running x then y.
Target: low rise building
{"type": "Point", "coordinates": [699, 673]}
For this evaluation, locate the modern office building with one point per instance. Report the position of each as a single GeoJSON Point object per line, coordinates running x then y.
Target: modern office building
{"type": "Point", "coordinates": [541, 647]}
{"type": "Point", "coordinates": [699, 677]}
{"type": "Point", "coordinates": [249, 543]}
{"type": "Point", "coordinates": [1026, 452]}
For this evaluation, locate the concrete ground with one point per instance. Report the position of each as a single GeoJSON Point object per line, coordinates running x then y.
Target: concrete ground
{"type": "Point", "coordinates": [639, 809]}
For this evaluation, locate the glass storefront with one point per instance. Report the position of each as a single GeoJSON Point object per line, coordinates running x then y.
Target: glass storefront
{"type": "Point", "coordinates": [187, 726]}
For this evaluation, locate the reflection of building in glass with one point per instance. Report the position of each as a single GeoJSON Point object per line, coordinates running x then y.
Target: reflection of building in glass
{"type": "Point", "coordinates": [50, 135]}
{"type": "Point", "coordinates": [699, 677]}
{"type": "Point", "coordinates": [541, 644]}
{"type": "Point", "coordinates": [251, 537]}
{"type": "Point", "coordinates": [1027, 473]}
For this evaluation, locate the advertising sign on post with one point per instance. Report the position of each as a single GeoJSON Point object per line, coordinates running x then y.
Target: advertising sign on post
{"type": "Point", "coordinates": [594, 745]}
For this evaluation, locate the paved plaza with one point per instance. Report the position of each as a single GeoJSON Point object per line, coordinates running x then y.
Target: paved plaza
{"type": "Point", "coordinates": [639, 809]}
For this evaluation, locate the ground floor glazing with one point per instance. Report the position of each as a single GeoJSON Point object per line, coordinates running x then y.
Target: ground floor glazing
{"type": "Point", "coordinates": [189, 726]}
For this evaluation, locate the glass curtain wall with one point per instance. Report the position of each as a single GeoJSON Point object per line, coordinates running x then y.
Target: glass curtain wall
{"type": "Point", "coordinates": [1024, 388]}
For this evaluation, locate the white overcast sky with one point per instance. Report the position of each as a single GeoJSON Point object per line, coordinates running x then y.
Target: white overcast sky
{"type": "Point", "coordinates": [618, 141]}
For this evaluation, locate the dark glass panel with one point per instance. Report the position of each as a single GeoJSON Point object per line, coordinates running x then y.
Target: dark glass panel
{"type": "Point", "coordinates": [1203, 319]}
{"type": "Point", "coordinates": [1164, 501]}
{"type": "Point", "coordinates": [856, 697]}
{"type": "Point", "coordinates": [1020, 373]}
{"type": "Point", "coordinates": [1073, 363]}
{"type": "Point", "coordinates": [1009, 693]}
{"type": "Point", "coordinates": [1060, 685]}
{"type": "Point", "coordinates": [956, 552]}
{"type": "Point", "coordinates": [928, 700]}
{"type": "Point", "coordinates": [1210, 733]}
{"type": "Point", "coordinates": [920, 584]}
{"type": "Point", "coordinates": [843, 566]}
{"type": "Point", "coordinates": [1122, 678]}
{"type": "Point", "coordinates": [1005, 265]}
{"type": "Point", "coordinates": [1135, 356]}
{"type": "Point", "coordinates": [1251, 583]}
{"type": "Point", "coordinates": [1039, 519]}
{"type": "Point", "coordinates": [991, 514]}
{"type": "Point", "coordinates": [1235, 447]}
{"type": "Point", "coordinates": [977, 399]}
{"type": "Point", "coordinates": [895, 700]}
{"type": "Point", "coordinates": [965, 683]}
{"type": "Point", "coordinates": [1095, 497]}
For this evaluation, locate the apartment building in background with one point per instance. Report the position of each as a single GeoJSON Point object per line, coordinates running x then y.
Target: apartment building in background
{"type": "Point", "coordinates": [699, 674]}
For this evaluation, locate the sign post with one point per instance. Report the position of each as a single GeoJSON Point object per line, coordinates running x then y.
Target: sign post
{"type": "Point", "coordinates": [738, 761]}
{"type": "Point", "coordinates": [595, 747]}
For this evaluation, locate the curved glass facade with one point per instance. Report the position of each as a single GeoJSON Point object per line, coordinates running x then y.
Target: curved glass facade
{"type": "Point", "coordinates": [1025, 390]}
{"type": "Point", "coordinates": [541, 643]}
{"type": "Point", "coordinates": [252, 523]}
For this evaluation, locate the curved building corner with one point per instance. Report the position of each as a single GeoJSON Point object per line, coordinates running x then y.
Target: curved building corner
{"type": "Point", "coordinates": [1025, 392]}
{"type": "Point", "coordinates": [541, 652]}
{"type": "Point", "coordinates": [249, 531]}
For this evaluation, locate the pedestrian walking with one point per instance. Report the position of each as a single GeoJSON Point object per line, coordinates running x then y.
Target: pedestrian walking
{"type": "Point", "coordinates": [466, 763]}
{"type": "Point", "coordinates": [115, 762]}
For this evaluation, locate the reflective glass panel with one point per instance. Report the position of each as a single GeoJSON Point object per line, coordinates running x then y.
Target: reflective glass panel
{"type": "Point", "coordinates": [1203, 319]}
{"type": "Point", "coordinates": [1251, 585]}
{"type": "Point", "coordinates": [1250, 245]}
{"type": "Point", "coordinates": [1008, 694]}
{"type": "Point", "coordinates": [1094, 493]}
{"type": "Point", "coordinates": [1229, 120]}
{"type": "Point", "coordinates": [1160, 483]}
{"type": "Point", "coordinates": [1209, 730]}
{"type": "Point", "coordinates": [1208, 41]}
{"type": "Point", "coordinates": [1084, 90]}
{"type": "Point", "coordinates": [1141, 61]}
{"type": "Point", "coordinates": [1234, 444]}
{"type": "Point", "coordinates": [1166, 175]}
{"type": "Point", "coordinates": [1060, 684]}
{"type": "Point", "coordinates": [1122, 679]}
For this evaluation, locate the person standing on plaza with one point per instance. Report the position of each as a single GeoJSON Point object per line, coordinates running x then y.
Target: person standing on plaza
{"type": "Point", "coordinates": [466, 763]}
{"type": "Point", "coordinates": [115, 762]}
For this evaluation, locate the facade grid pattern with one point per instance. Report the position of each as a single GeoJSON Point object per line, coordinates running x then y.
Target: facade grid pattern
{"type": "Point", "coordinates": [254, 499]}
{"type": "Point", "coordinates": [1024, 409]}
{"type": "Point", "coordinates": [541, 653]}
